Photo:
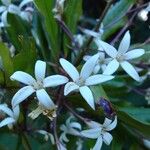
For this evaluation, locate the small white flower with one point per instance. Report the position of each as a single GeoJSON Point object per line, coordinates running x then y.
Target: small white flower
{"type": "Point", "coordinates": [26, 13]}
{"type": "Point", "coordinates": [84, 79]}
{"type": "Point", "coordinates": [122, 56]}
{"type": "Point", "coordinates": [47, 135]}
{"type": "Point", "coordinates": [79, 39]}
{"type": "Point", "coordinates": [13, 115]}
{"type": "Point", "coordinates": [100, 132]}
{"type": "Point", "coordinates": [101, 62]}
{"type": "Point", "coordinates": [5, 8]}
{"type": "Point", "coordinates": [71, 127]}
{"type": "Point", "coordinates": [49, 111]}
{"type": "Point", "coordinates": [37, 85]}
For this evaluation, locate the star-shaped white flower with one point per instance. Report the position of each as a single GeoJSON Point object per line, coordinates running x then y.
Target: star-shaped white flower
{"type": "Point", "coordinates": [37, 85]}
{"type": "Point", "coordinates": [13, 115]}
{"type": "Point", "coordinates": [100, 132]}
{"type": "Point", "coordinates": [71, 127]}
{"type": "Point", "coordinates": [122, 56]}
{"type": "Point", "coordinates": [101, 62]}
{"type": "Point", "coordinates": [5, 8]}
{"type": "Point", "coordinates": [84, 79]}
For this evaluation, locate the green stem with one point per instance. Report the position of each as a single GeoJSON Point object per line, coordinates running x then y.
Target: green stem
{"type": "Point", "coordinates": [25, 142]}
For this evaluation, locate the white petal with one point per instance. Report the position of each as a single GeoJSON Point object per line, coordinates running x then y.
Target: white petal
{"type": "Point", "coordinates": [87, 95]}
{"type": "Point", "coordinates": [91, 133]}
{"type": "Point", "coordinates": [130, 70]}
{"type": "Point", "coordinates": [25, 2]}
{"type": "Point", "coordinates": [112, 125]}
{"type": "Point", "coordinates": [97, 79]}
{"type": "Point", "coordinates": [86, 57]}
{"type": "Point", "coordinates": [40, 70]}
{"type": "Point", "coordinates": [93, 124]}
{"type": "Point", "coordinates": [75, 125]}
{"type": "Point", "coordinates": [6, 121]}
{"type": "Point", "coordinates": [21, 95]}
{"type": "Point", "coordinates": [23, 78]}
{"type": "Point", "coordinates": [98, 44]}
{"type": "Point", "coordinates": [111, 67]}
{"type": "Point", "coordinates": [70, 69]}
{"type": "Point", "coordinates": [5, 109]}
{"type": "Point", "coordinates": [98, 144]}
{"type": "Point", "coordinates": [107, 122]}
{"type": "Point", "coordinates": [14, 9]}
{"type": "Point", "coordinates": [2, 8]}
{"type": "Point", "coordinates": [6, 2]}
{"type": "Point", "coordinates": [134, 54]}
{"type": "Point", "coordinates": [124, 44]}
{"type": "Point", "coordinates": [55, 80]}
{"type": "Point", "coordinates": [16, 111]}
{"type": "Point", "coordinates": [4, 18]}
{"type": "Point", "coordinates": [69, 87]}
{"type": "Point", "coordinates": [96, 69]}
{"type": "Point", "coordinates": [110, 50]}
{"type": "Point", "coordinates": [44, 99]}
{"type": "Point", "coordinates": [107, 138]}
{"type": "Point", "coordinates": [88, 67]}
{"type": "Point", "coordinates": [90, 33]}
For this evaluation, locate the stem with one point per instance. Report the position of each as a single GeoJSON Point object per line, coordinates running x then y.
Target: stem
{"type": "Point", "coordinates": [123, 29]}
{"type": "Point", "coordinates": [86, 49]}
{"type": "Point", "coordinates": [75, 114]}
{"type": "Point", "coordinates": [25, 142]}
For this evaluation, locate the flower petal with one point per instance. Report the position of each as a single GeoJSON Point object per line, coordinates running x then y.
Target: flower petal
{"type": "Point", "coordinates": [134, 54]}
{"type": "Point", "coordinates": [7, 121]}
{"type": "Point", "coordinates": [40, 70]}
{"type": "Point", "coordinates": [98, 44]}
{"type": "Point", "coordinates": [97, 79]}
{"type": "Point", "coordinates": [69, 87]}
{"type": "Point", "coordinates": [110, 50]}
{"type": "Point", "coordinates": [107, 138]}
{"type": "Point", "coordinates": [87, 95]}
{"type": "Point", "coordinates": [4, 18]}
{"type": "Point", "coordinates": [5, 109]}
{"type": "Point", "coordinates": [75, 125]}
{"type": "Point", "coordinates": [55, 80]}
{"type": "Point", "coordinates": [70, 69]}
{"type": "Point", "coordinates": [98, 144]}
{"type": "Point", "coordinates": [130, 70]}
{"type": "Point", "coordinates": [2, 9]}
{"type": "Point", "coordinates": [86, 57]}
{"type": "Point", "coordinates": [88, 67]}
{"type": "Point", "coordinates": [21, 95]}
{"type": "Point", "coordinates": [14, 9]}
{"type": "Point", "coordinates": [124, 44]}
{"type": "Point", "coordinates": [6, 2]}
{"type": "Point", "coordinates": [111, 67]}
{"type": "Point", "coordinates": [107, 122]}
{"type": "Point", "coordinates": [97, 69]}
{"type": "Point", "coordinates": [25, 2]}
{"type": "Point", "coordinates": [44, 99]}
{"type": "Point", "coordinates": [112, 125]}
{"type": "Point", "coordinates": [91, 133]}
{"type": "Point", "coordinates": [23, 77]}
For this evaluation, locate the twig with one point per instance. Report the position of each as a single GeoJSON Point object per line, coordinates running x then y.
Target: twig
{"type": "Point", "coordinates": [75, 114]}
{"type": "Point", "coordinates": [123, 29]}
{"type": "Point", "coordinates": [86, 49]}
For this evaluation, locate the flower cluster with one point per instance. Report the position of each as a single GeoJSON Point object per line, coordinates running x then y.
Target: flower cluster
{"type": "Point", "coordinates": [8, 7]}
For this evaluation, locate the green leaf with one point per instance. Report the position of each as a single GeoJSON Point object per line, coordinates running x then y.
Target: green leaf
{"type": "Point", "coordinates": [134, 123]}
{"type": "Point", "coordinates": [115, 18]}
{"type": "Point", "coordinates": [7, 63]}
{"type": "Point", "coordinates": [45, 8]}
{"type": "Point", "coordinates": [14, 35]}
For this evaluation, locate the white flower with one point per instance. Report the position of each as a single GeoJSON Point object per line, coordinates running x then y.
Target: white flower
{"type": "Point", "coordinates": [122, 56]}
{"type": "Point", "coordinates": [13, 115]}
{"type": "Point", "coordinates": [71, 127]}
{"type": "Point", "coordinates": [26, 14]}
{"type": "Point", "coordinates": [101, 62]}
{"type": "Point", "coordinates": [100, 132]}
{"type": "Point", "coordinates": [37, 85]}
{"type": "Point", "coordinates": [47, 135]}
{"type": "Point", "coordinates": [79, 39]}
{"type": "Point", "coordinates": [84, 79]}
{"type": "Point", "coordinates": [5, 8]}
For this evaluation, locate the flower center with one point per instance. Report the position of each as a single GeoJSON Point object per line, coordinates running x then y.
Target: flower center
{"type": "Point", "coordinates": [38, 85]}
{"type": "Point", "coordinates": [120, 58]}
{"type": "Point", "coordinates": [80, 82]}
